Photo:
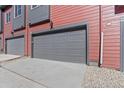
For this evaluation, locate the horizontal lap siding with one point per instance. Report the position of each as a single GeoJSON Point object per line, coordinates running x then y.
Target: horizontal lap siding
{"type": "Point", "coordinates": [8, 28]}
{"type": "Point", "coordinates": [111, 46]}
{"type": "Point", "coordinates": [63, 15]}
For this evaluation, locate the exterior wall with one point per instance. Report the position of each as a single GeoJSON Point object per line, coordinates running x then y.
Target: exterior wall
{"type": "Point", "coordinates": [38, 14]}
{"type": "Point", "coordinates": [35, 28]}
{"type": "Point", "coordinates": [111, 30]}
{"type": "Point", "coordinates": [68, 14]}
{"type": "Point", "coordinates": [8, 27]}
{"type": "Point", "coordinates": [0, 21]}
{"type": "Point", "coordinates": [65, 15]}
{"type": "Point", "coordinates": [18, 22]}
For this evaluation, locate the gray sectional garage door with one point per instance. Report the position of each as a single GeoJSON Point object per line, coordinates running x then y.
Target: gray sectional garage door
{"type": "Point", "coordinates": [15, 46]}
{"type": "Point", "coordinates": [69, 46]}
{"type": "Point", "coordinates": [0, 45]}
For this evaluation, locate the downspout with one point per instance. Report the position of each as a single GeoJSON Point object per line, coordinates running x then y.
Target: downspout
{"type": "Point", "coordinates": [100, 30]}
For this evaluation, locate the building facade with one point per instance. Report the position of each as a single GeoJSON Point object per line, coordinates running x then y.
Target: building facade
{"type": "Point", "coordinates": [87, 34]}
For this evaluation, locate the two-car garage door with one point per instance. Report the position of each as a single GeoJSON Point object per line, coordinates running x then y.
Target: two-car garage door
{"type": "Point", "coordinates": [66, 45]}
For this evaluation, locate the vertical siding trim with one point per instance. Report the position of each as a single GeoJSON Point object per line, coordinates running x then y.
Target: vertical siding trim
{"type": "Point", "coordinates": [100, 30]}
{"type": "Point", "coordinates": [121, 45]}
{"type": "Point", "coordinates": [3, 41]}
{"type": "Point", "coordinates": [27, 29]}
{"type": "Point", "coordinates": [50, 17]}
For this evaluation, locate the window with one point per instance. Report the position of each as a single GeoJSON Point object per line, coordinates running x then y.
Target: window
{"type": "Point", "coordinates": [8, 17]}
{"type": "Point", "coordinates": [34, 6]}
{"type": "Point", "coordinates": [17, 10]}
{"type": "Point", "coordinates": [119, 9]}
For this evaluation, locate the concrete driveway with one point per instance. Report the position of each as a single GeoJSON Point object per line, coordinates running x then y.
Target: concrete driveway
{"type": "Point", "coordinates": [12, 80]}
{"type": "Point", "coordinates": [42, 73]}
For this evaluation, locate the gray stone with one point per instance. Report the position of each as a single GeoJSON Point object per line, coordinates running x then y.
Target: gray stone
{"type": "Point", "coordinates": [96, 77]}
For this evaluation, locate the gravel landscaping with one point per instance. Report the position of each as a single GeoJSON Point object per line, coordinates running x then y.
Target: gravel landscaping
{"type": "Point", "coordinates": [96, 77]}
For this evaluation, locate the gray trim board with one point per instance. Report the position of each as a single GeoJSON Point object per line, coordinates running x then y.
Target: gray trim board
{"type": "Point", "coordinates": [87, 43]}
{"type": "Point", "coordinates": [122, 44]}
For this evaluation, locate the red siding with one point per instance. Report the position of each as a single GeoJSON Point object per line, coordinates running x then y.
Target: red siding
{"type": "Point", "coordinates": [68, 14]}
{"type": "Point", "coordinates": [8, 27]}
{"type": "Point", "coordinates": [111, 50]}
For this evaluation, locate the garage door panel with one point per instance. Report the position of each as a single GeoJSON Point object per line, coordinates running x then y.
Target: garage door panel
{"type": "Point", "coordinates": [75, 38]}
{"type": "Point", "coordinates": [15, 46]}
{"type": "Point", "coordinates": [0, 45]}
{"type": "Point", "coordinates": [68, 59]}
{"type": "Point", "coordinates": [68, 46]}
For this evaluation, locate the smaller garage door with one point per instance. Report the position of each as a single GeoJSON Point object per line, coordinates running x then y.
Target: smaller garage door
{"type": "Point", "coordinates": [15, 46]}
{"type": "Point", "coordinates": [66, 45]}
{"type": "Point", "coordinates": [0, 45]}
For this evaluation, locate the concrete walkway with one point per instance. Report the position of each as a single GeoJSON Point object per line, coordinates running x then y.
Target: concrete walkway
{"type": "Point", "coordinates": [7, 57]}
{"type": "Point", "coordinates": [46, 73]}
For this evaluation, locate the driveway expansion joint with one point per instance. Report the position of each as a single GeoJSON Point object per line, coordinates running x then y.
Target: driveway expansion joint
{"type": "Point", "coordinates": [23, 76]}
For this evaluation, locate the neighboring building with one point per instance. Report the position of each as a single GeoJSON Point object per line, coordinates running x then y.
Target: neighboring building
{"type": "Point", "coordinates": [85, 33]}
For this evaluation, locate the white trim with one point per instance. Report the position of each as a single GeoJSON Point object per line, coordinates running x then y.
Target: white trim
{"type": "Point", "coordinates": [34, 7]}
{"type": "Point", "coordinates": [6, 17]}
{"type": "Point", "coordinates": [101, 57]}
{"type": "Point", "coordinates": [17, 15]}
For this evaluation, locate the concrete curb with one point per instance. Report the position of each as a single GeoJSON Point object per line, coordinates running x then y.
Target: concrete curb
{"type": "Point", "coordinates": [11, 59]}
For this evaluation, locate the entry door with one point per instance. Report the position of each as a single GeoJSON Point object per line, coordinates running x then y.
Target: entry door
{"type": "Point", "coordinates": [69, 46]}
{"type": "Point", "coordinates": [15, 46]}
